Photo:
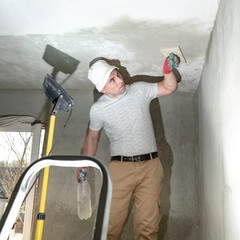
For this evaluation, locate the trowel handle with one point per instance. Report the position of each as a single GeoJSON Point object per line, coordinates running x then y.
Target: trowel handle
{"type": "Point", "coordinates": [171, 57]}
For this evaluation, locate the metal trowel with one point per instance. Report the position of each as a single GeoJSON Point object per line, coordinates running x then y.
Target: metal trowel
{"type": "Point", "coordinates": [173, 50]}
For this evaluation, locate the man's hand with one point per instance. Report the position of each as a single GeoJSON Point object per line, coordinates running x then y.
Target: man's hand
{"type": "Point", "coordinates": [82, 173]}
{"type": "Point", "coordinates": [171, 62]}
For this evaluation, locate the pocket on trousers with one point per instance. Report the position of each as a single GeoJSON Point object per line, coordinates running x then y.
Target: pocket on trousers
{"type": "Point", "coordinates": [160, 209]}
{"type": "Point", "coordinates": [161, 169]}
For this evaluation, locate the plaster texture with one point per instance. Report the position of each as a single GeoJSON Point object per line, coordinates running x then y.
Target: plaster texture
{"type": "Point", "coordinates": [219, 117]}
{"type": "Point", "coordinates": [131, 35]}
{"type": "Point", "coordinates": [64, 17]}
{"type": "Point", "coordinates": [175, 127]}
{"type": "Point", "coordinates": [135, 37]}
{"type": "Point", "coordinates": [129, 31]}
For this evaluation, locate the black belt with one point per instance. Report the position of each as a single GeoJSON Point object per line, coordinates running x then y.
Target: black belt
{"type": "Point", "coordinates": [137, 158]}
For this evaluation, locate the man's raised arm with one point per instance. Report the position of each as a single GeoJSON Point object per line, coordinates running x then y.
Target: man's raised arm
{"type": "Point", "coordinates": [169, 83]}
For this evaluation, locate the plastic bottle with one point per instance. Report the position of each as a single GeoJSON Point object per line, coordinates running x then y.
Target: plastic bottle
{"type": "Point", "coordinates": [84, 200]}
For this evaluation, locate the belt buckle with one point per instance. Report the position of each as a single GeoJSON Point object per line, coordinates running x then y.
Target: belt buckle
{"type": "Point", "coordinates": [136, 159]}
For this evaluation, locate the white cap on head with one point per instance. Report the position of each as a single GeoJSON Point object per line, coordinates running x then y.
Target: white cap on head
{"type": "Point", "coordinates": [99, 73]}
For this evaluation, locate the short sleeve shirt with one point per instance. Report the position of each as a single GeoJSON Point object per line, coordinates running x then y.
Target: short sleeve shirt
{"type": "Point", "coordinates": [127, 120]}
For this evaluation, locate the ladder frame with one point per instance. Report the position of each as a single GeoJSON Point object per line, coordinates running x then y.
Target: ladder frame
{"type": "Point", "coordinates": [20, 190]}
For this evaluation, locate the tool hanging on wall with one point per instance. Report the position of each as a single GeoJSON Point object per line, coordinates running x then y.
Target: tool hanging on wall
{"type": "Point", "coordinates": [62, 102]}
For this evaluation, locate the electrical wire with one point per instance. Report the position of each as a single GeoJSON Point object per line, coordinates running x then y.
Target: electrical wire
{"type": "Point", "coordinates": [59, 136]}
{"type": "Point", "coordinates": [55, 143]}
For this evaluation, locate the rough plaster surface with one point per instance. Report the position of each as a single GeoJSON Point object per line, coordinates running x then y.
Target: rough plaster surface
{"type": "Point", "coordinates": [219, 116]}
{"type": "Point", "coordinates": [174, 120]}
{"type": "Point", "coordinates": [22, 66]}
{"type": "Point", "coordinates": [47, 17]}
{"type": "Point", "coordinates": [131, 32]}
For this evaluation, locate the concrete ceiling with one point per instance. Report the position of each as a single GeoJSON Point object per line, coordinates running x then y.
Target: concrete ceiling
{"type": "Point", "coordinates": [131, 31]}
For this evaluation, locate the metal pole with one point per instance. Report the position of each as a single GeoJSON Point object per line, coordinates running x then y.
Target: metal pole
{"type": "Point", "coordinates": [41, 214]}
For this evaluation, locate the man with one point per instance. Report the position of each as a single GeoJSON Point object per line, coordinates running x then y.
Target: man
{"type": "Point", "coordinates": [136, 170]}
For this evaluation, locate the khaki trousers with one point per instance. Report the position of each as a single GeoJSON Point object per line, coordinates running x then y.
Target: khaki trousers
{"type": "Point", "coordinates": [143, 181]}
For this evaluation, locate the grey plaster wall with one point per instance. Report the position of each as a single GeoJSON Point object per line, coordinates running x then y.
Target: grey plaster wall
{"type": "Point", "coordinates": [175, 126]}
{"type": "Point", "coordinates": [219, 117]}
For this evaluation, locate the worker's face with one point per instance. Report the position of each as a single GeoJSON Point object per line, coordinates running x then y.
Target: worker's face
{"type": "Point", "coordinates": [115, 85]}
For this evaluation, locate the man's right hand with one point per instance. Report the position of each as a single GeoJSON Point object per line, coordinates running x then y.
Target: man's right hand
{"type": "Point", "coordinates": [82, 173]}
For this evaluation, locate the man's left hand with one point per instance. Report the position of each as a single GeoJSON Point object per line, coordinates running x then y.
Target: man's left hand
{"type": "Point", "coordinates": [169, 64]}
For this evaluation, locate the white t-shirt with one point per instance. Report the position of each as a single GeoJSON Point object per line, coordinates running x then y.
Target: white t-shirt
{"type": "Point", "coordinates": [127, 120]}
